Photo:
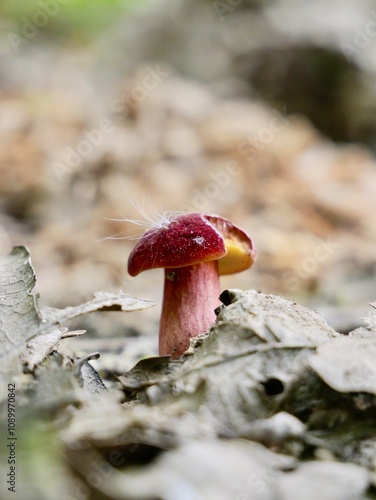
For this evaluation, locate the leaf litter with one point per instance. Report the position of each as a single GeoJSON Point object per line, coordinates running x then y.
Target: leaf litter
{"type": "Point", "coordinates": [271, 402]}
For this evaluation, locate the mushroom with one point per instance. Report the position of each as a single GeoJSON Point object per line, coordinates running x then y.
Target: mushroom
{"type": "Point", "coordinates": [194, 250]}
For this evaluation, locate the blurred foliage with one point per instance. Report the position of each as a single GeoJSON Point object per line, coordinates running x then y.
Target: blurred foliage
{"type": "Point", "coordinates": [79, 20]}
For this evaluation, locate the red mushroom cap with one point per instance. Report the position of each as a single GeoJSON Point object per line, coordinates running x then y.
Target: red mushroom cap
{"type": "Point", "coordinates": [190, 239]}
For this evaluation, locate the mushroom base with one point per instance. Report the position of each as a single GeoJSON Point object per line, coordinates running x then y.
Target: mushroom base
{"type": "Point", "coordinates": [191, 294]}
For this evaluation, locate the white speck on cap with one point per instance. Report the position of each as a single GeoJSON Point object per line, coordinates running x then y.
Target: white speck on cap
{"type": "Point", "coordinates": [200, 240]}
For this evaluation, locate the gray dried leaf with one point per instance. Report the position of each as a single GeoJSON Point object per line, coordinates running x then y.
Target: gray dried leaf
{"type": "Point", "coordinates": [370, 329]}
{"type": "Point", "coordinates": [204, 469]}
{"type": "Point", "coordinates": [324, 479]}
{"type": "Point", "coordinates": [88, 376]}
{"type": "Point", "coordinates": [347, 364]}
{"type": "Point", "coordinates": [147, 372]}
{"type": "Point", "coordinates": [163, 426]}
{"type": "Point", "coordinates": [274, 430]}
{"type": "Point", "coordinates": [29, 333]}
{"type": "Point", "coordinates": [54, 386]}
{"type": "Point", "coordinates": [103, 301]}
{"type": "Point", "coordinates": [19, 318]}
{"type": "Point", "coordinates": [370, 320]}
{"type": "Point", "coordinates": [40, 346]}
{"type": "Point", "coordinates": [274, 319]}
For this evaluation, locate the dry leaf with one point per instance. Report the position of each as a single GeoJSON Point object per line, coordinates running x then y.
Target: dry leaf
{"type": "Point", "coordinates": [28, 333]}
{"type": "Point", "coordinates": [347, 364]}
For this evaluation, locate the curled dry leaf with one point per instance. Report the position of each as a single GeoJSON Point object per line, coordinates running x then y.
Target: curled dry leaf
{"type": "Point", "coordinates": [347, 364]}
{"type": "Point", "coordinates": [40, 346]}
{"type": "Point", "coordinates": [88, 376]}
{"type": "Point", "coordinates": [103, 301]}
{"type": "Point", "coordinates": [28, 332]}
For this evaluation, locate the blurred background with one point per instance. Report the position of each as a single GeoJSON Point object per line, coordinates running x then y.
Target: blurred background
{"type": "Point", "coordinates": [262, 112]}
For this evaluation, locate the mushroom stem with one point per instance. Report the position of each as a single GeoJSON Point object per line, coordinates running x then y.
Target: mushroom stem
{"type": "Point", "coordinates": [191, 294]}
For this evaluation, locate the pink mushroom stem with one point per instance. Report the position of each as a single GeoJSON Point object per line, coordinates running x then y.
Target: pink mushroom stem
{"type": "Point", "coordinates": [191, 294]}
